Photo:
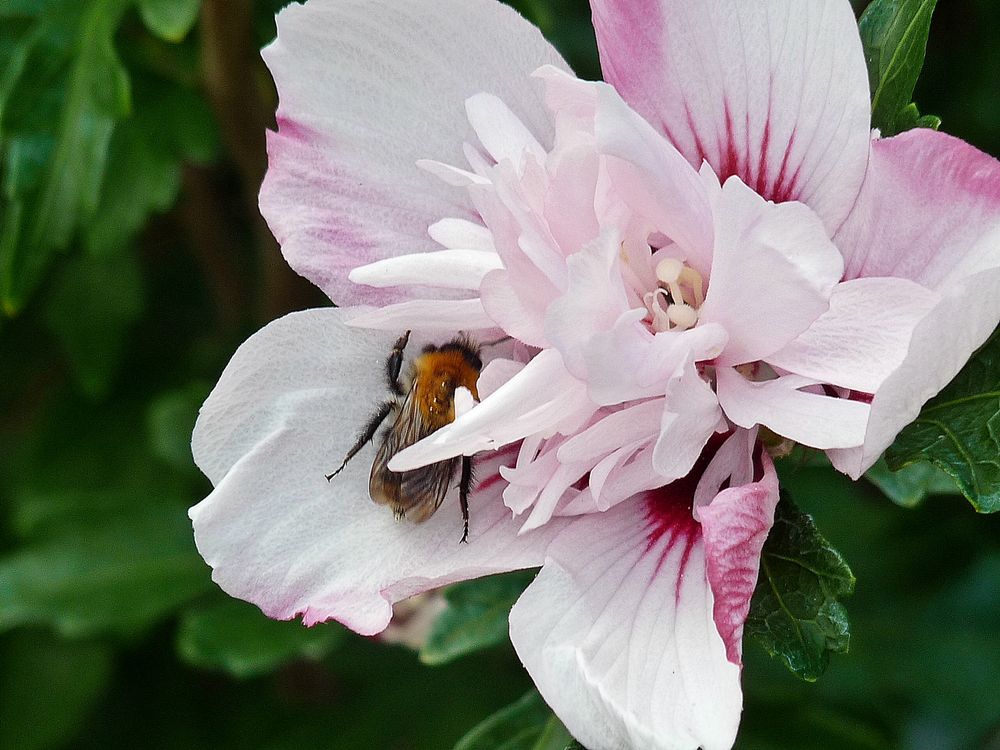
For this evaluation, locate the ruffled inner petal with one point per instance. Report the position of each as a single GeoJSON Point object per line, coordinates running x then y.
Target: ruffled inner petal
{"type": "Point", "coordinates": [773, 271]}
{"type": "Point", "coordinates": [813, 419]}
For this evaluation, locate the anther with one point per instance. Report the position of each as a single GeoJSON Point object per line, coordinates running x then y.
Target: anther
{"type": "Point", "coordinates": [683, 316]}
{"type": "Point", "coordinates": [668, 271]}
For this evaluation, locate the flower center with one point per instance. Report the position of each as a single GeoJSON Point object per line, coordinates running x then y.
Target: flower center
{"type": "Point", "coordinates": [674, 304]}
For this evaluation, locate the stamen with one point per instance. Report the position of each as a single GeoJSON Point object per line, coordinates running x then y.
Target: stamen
{"type": "Point", "coordinates": [674, 275]}
{"type": "Point", "coordinates": [668, 271]}
{"type": "Point", "coordinates": [674, 304]}
{"type": "Point", "coordinates": [661, 320]}
{"type": "Point", "coordinates": [693, 279]}
{"type": "Point", "coordinates": [683, 316]}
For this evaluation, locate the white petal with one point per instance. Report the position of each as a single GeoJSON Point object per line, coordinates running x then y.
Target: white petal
{"type": "Point", "coordinates": [459, 234]}
{"type": "Point", "coordinates": [593, 301]}
{"type": "Point", "coordinates": [366, 89]}
{"type": "Point", "coordinates": [450, 175]}
{"type": "Point", "coordinates": [303, 352]}
{"type": "Point", "coordinates": [450, 269]}
{"type": "Point", "coordinates": [501, 132]}
{"type": "Point", "coordinates": [732, 464]}
{"type": "Point", "coordinates": [426, 314]}
{"type": "Point", "coordinates": [617, 633]}
{"type": "Point", "coordinates": [276, 533]}
{"type": "Point", "coordinates": [943, 233]}
{"type": "Point", "coordinates": [648, 172]}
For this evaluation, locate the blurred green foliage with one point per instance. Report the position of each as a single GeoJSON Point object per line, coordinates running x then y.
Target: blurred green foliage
{"type": "Point", "coordinates": [132, 262]}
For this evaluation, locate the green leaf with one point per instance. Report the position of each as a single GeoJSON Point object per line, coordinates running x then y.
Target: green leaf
{"type": "Point", "coordinates": [119, 574]}
{"type": "Point", "coordinates": [911, 485]}
{"type": "Point", "coordinates": [170, 20]}
{"type": "Point", "coordinates": [236, 637]}
{"type": "Point", "coordinates": [894, 36]}
{"type": "Point", "coordinates": [959, 430]}
{"type": "Point", "coordinates": [91, 306]}
{"type": "Point", "coordinates": [527, 724]}
{"type": "Point", "coordinates": [476, 617]}
{"type": "Point", "coordinates": [795, 613]}
{"type": "Point", "coordinates": [909, 117]}
{"type": "Point", "coordinates": [47, 688]}
{"type": "Point", "coordinates": [64, 106]}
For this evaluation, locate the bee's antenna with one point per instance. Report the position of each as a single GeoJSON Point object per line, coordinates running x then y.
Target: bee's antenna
{"type": "Point", "coordinates": [495, 342]}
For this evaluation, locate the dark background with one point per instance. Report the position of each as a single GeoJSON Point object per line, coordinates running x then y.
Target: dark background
{"type": "Point", "coordinates": [111, 633]}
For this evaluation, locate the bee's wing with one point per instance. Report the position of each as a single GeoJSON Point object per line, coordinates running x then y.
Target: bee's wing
{"type": "Point", "coordinates": [417, 493]}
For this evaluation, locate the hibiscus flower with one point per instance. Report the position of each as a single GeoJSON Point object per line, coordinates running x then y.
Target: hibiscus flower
{"type": "Point", "coordinates": [656, 267]}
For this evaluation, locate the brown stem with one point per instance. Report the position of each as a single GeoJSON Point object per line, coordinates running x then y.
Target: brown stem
{"type": "Point", "coordinates": [231, 70]}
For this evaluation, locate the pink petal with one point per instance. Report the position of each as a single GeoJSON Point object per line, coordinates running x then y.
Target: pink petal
{"type": "Point", "coordinates": [775, 91]}
{"type": "Point", "coordinates": [616, 429]}
{"type": "Point", "coordinates": [772, 273]}
{"type": "Point", "coordinates": [617, 632]}
{"type": "Point", "coordinates": [933, 231]}
{"type": "Point", "coordinates": [276, 533]}
{"type": "Point", "coordinates": [628, 363]}
{"type": "Point", "coordinates": [943, 233]}
{"type": "Point", "coordinates": [942, 342]}
{"type": "Point", "coordinates": [361, 100]}
{"type": "Point", "coordinates": [541, 397]}
{"type": "Point", "coordinates": [690, 418]}
{"type": "Point", "coordinates": [648, 175]}
{"type": "Point", "coordinates": [593, 301]}
{"type": "Point", "coordinates": [864, 336]}
{"type": "Point", "coordinates": [735, 526]}
{"type": "Point", "coordinates": [731, 465]}
{"type": "Point", "coordinates": [808, 418]}
{"type": "Point", "coordinates": [520, 315]}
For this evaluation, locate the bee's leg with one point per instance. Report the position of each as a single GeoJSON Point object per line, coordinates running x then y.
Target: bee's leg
{"type": "Point", "coordinates": [464, 487]}
{"type": "Point", "coordinates": [394, 364]}
{"type": "Point", "coordinates": [374, 422]}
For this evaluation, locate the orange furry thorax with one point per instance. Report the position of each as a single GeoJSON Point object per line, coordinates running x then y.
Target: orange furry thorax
{"type": "Point", "coordinates": [436, 375]}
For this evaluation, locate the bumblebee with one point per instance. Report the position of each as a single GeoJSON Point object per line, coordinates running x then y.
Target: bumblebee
{"type": "Point", "coordinates": [423, 401]}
